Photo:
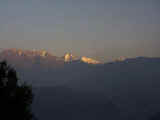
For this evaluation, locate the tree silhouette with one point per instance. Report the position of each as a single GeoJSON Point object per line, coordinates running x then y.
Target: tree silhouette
{"type": "Point", "coordinates": [15, 97]}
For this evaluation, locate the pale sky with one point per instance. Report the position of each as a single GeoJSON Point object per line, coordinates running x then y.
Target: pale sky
{"type": "Point", "coordinates": [102, 29]}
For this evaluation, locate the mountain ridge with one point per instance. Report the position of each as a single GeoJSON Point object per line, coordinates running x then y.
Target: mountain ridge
{"type": "Point", "coordinates": [43, 56]}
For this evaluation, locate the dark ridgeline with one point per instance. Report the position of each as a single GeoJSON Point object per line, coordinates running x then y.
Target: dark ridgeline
{"type": "Point", "coordinates": [15, 97]}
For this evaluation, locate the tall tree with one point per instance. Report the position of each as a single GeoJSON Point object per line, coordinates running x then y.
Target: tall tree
{"type": "Point", "coordinates": [15, 97]}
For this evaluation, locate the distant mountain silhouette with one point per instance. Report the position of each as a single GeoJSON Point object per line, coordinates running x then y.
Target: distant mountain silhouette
{"type": "Point", "coordinates": [31, 58]}
{"type": "Point", "coordinates": [42, 58]}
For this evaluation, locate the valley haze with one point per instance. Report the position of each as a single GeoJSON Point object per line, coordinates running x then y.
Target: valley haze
{"type": "Point", "coordinates": [127, 87]}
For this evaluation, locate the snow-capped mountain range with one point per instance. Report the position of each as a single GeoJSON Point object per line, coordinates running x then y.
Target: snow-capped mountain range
{"type": "Point", "coordinates": [69, 58]}
{"type": "Point", "coordinates": [30, 57]}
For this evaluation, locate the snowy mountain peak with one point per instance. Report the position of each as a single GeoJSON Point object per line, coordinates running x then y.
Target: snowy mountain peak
{"type": "Point", "coordinates": [69, 57]}
{"type": "Point", "coordinates": [89, 60]}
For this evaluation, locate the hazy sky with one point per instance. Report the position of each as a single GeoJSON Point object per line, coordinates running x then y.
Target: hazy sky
{"type": "Point", "coordinates": [102, 29]}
